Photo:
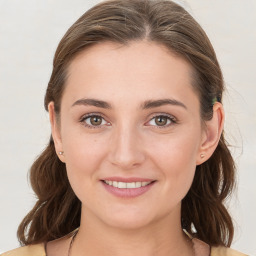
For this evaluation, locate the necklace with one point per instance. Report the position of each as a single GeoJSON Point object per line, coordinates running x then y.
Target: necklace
{"type": "Point", "coordinates": [195, 244]}
{"type": "Point", "coordinates": [72, 241]}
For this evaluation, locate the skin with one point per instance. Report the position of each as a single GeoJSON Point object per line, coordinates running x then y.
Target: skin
{"type": "Point", "coordinates": [130, 142]}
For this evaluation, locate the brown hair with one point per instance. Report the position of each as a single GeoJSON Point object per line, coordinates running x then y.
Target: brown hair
{"type": "Point", "coordinates": [57, 210]}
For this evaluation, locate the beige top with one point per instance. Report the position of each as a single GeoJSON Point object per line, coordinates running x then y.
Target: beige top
{"type": "Point", "coordinates": [39, 250]}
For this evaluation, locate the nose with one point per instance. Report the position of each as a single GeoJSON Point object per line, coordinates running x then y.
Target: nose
{"type": "Point", "coordinates": [126, 149]}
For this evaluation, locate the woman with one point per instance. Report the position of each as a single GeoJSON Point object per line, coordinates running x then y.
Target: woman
{"type": "Point", "coordinates": [137, 163]}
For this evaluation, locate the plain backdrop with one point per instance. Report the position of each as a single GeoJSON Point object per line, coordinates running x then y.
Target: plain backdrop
{"type": "Point", "coordinates": [29, 33]}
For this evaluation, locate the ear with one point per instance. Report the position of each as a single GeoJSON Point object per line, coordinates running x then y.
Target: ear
{"type": "Point", "coordinates": [55, 127]}
{"type": "Point", "coordinates": [211, 134]}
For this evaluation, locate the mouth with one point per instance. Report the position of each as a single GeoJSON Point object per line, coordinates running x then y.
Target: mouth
{"type": "Point", "coordinates": [120, 184]}
{"type": "Point", "coordinates": [127, 189]}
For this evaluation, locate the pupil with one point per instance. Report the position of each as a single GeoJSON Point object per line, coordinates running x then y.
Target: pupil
{"type": "Point", "coordinates": [96, 120]}
{"type": "Point", "coordinates": [161, 120]}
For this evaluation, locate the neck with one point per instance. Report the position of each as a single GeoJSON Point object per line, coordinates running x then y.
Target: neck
{"type": "Point", "coordinates": [162, 238]}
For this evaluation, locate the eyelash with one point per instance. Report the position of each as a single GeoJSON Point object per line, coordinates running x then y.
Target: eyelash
{"type": "Point", "coordinates": [172, 120]}
{"type": "Point", "coordinates": [82, 120]}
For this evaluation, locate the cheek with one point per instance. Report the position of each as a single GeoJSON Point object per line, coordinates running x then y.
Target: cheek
{"type": "Point", "coordinates": [83, 157]}
{"type": "Point", "coordinates": [84, 152]}
{"type": "Point", "coordinates": [176, 157]}
{"type": "Point", "coordinates": [176, 149]}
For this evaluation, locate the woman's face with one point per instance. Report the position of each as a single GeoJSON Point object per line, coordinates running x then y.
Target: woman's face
{"type": "Point", "coordinates": [129, 116]}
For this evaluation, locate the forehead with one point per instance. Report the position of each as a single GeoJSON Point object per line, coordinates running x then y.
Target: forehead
{"type": "Point", "coordinates": [139, 70]}
{"type": "Point", "coordinates": [140, 56]}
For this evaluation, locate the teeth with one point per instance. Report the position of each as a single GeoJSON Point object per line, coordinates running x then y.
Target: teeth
{"type": "Point", "coordinates": [120, 184]}
{"type": "Point", "coordinates": [132, 185]}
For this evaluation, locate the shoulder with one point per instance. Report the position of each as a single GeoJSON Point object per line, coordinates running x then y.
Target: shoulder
{"type": "Point", "coordinates": [224, 251]}
{"type": "Point", "coordinates": [30, 250]}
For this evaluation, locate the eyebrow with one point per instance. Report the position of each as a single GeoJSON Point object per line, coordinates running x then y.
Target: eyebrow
{"type": "Point", "coordinates": [158, 103]}
{"type": "Point", "coordinates": [92, 102]}
{"type": "Point", "coordinates": [146, 105]}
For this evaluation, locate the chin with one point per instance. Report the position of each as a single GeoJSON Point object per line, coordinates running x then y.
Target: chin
{"type": "Point", "coordinates": [127, 220]}
{"type": "Point", "coordinates": [128, 223]}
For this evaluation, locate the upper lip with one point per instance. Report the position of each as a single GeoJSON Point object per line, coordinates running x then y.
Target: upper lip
{"type": "Point", "coordinates": [130, 179]}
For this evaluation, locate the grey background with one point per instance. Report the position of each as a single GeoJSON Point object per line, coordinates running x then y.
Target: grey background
{"type": "Point", "coordinates": [29, 33]}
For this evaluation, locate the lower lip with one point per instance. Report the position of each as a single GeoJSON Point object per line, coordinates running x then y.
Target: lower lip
{"type": "Point", "coordinates": [127, 192]}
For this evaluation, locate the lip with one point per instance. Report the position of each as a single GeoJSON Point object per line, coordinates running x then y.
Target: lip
{"type": "Point", "coordinates": [130, 179]}
{"type": "Point", "coordinates": [127, 192]}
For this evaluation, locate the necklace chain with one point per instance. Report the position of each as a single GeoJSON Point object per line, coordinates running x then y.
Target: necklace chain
{"type": "Point", "coordinates": [71, 242]}
{"type": "Point", "coordinates": [75, 233]}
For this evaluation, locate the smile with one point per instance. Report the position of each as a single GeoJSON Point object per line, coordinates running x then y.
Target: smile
{"type": "Point", "coordinates": [119, 184]}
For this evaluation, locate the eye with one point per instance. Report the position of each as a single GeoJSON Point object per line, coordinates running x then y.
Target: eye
{"type": "Point", "coordinates": [162, 121]}
{"type": "Point", "coordinates": [93, 121]}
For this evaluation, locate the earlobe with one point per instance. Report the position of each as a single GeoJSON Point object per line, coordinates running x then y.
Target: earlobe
{"type": "Point", "coordinates": [212, 133]}
{"type": "Point", "coordinates": [55, 131]}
